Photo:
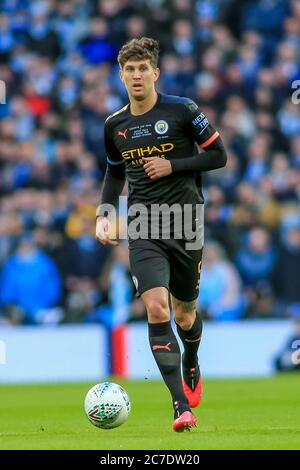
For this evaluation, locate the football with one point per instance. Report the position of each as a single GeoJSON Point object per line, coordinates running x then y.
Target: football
{"type": "Point", "coordinates": [107, 405]}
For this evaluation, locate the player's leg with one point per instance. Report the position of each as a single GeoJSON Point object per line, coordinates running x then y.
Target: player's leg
{"type": "Point", "coordinates": [166, 352]}
{"type": "Point", "coordinates": [184, 286]}
{"type": "Point", "coordinates": [164, 345]}
{"type": "Point", "coordinates": [189, 328]}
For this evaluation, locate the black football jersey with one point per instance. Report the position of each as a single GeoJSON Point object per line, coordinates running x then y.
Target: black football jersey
{"type": "Point", "coordinates": [174, 128]}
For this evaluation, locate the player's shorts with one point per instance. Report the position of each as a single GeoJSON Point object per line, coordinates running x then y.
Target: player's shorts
{"type": "Point", "coordinates": [166, 263]}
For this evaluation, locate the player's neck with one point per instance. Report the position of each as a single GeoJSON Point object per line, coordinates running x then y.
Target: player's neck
{"type": "Point", "coordinates": [141, 107]}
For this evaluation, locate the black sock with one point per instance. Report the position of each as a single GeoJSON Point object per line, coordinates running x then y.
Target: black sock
{"type": "Point", "coordinates": [191, 340]}
{"type": "Point", "coordinates": [166, 352]}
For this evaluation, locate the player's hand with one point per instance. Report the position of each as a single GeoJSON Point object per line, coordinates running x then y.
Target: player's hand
{"type": "Point", "coordinates": [102, 231]}
{"type": "Point", "coordinates": [156, 167]}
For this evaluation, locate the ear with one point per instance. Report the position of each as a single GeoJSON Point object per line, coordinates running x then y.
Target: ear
{"type": "Point", "coordinates": [121, 75]}
{"type": "Point", "coordinates": [156, 74]}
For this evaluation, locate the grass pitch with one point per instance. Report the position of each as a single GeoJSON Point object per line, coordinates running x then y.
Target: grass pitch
{"type": "Point", "coordinates": [234, 414]}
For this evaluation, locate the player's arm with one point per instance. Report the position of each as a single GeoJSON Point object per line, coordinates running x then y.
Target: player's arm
{"type": "Point", "coordinates": [113, 185]}
{"type": "Point", "coordinates": [212, 158]}
{"type": "Point", "coordinates": [213, 153]}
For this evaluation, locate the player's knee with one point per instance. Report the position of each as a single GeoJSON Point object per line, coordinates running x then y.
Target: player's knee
{"type": "Point", "coordinates": [158, 311]}
{"type": "Point", "coordinates": [185, 321]}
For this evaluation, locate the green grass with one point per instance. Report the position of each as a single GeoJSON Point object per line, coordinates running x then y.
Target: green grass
{"type": "Point", "coordinates": [234, 414]}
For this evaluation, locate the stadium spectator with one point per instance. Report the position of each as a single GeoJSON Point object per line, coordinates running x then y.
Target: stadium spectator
{"type": "Point", "coordinates": [41, 38]}
{"type": "Point", "coordinates": [256, 259]}
{"type": "Point", "coordinates": [255, 262]}
{"type": "Point", "coordinates": [96, 46]}
{"type": "Point", "coordinates": [6, 36]}
{"type": "Point", "coordinates": [220, 290]}
{"type": "Point", "coordinates": [8, 236]}
{"type": "Point", "coordinates": [84, 257]}
{"type": "Point", "coordinates": [30, 286]}
{"type": "Point", "coordinates": [288, 286]}
{"type": "Point", "coordinates": [295, 152]}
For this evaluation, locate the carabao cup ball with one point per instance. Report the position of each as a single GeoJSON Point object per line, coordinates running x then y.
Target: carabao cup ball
{"type": "Point", "coordinates": [107, 405]}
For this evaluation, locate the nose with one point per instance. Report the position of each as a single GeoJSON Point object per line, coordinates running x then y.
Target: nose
{"type": "Point", "coordinates": [136, 74]}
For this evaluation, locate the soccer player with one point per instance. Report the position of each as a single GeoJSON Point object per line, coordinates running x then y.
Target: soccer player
{"type": "Point", "coordinates": [161, 144]}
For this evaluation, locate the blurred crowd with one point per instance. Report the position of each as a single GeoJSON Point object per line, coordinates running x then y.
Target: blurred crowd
{"type": "Point", "coordinates": [238, 60]}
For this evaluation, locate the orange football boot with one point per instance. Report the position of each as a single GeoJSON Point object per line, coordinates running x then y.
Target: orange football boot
{"type": "Point", "coordinates": [185, 422]}
{"type": "Point", "coordinates": [192, 385]}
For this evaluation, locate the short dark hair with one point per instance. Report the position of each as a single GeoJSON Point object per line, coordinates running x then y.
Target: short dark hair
{"type": "Point", "coordinates": [139, 49]}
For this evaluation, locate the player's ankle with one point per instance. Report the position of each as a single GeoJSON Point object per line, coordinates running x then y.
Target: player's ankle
{"type": "Point", "coordinates": [191, 364]}
{"type": "Point", "coordinates": [180, 407]}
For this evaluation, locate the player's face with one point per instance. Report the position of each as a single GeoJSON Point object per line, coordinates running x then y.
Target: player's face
{"type": "Point", "coordinates": [139, 78]}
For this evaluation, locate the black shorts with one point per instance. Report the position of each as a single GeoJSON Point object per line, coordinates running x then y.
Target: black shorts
{"type": "Point", "coordinates": [166, 263]}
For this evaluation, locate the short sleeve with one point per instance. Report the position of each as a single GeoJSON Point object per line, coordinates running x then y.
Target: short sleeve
{"type": "Point", "coordinates": [198, 125]}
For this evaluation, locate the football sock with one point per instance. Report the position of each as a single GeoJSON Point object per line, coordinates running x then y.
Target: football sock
{"type": "Point", "coordinates": [166, 352]}
{"type": "Point", "coordinates": [191, 340]}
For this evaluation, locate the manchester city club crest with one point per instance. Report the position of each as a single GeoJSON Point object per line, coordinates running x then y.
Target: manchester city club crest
{"type": "Point", "coordinates": [161, 127]}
